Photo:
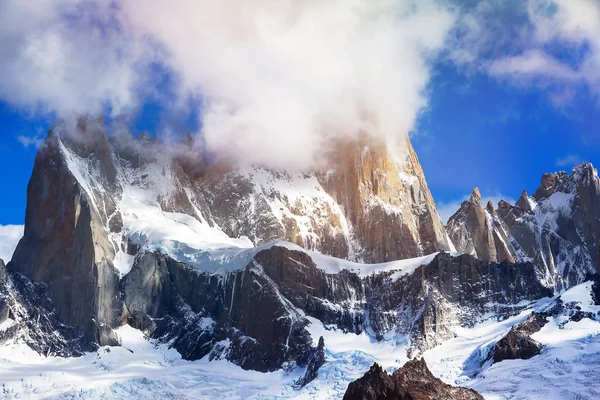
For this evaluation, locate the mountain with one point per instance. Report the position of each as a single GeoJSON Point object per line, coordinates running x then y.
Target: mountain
{"type": "Point", "coordinates": [557, 229]}
{"type": "Point", "coordinates": [274, 271]}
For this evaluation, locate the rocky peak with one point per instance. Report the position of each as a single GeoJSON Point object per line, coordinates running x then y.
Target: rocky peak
{"type": "Point", "coordinates": [523, 203]}
{"type": "Point", "coordinates": [557, 228]}
{"type": "Point", "coordinates": [552, 183]}
{"type": "Point", "coordinates": [472, 230]}
{"type": "Point", "coordinates": [489, 207]}
{"type": "Point", "coordinates": [386, 200]}
{"type": "Point", "coordinates": [585, 173]}
{"type": "Point", "coordinates": [412, 381]}
{"type": "Point", "coordinates": [475, 196]}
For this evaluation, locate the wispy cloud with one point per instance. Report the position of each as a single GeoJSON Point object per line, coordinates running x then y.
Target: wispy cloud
{"type": "Point", "coordinates": [9, 238]}
{"type": "Point", "coordinates": [533, 63]}
{"type": "Point", "coordinates": [35, 141]}
{"type": "Point", "coordinates": [569, 160]}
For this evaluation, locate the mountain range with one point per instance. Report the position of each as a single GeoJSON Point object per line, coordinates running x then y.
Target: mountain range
{"type": "Point", "coordinates": [270, 271]}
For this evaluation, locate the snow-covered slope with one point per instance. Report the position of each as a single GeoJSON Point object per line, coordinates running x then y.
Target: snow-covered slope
{"type": "Point", "coordinates": [565, 369]}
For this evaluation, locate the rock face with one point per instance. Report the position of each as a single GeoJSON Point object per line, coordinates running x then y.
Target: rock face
{"type": "Point", "coordinates": [516, 345]}
{"type": "Point", "coordinates": [27, 314]}
{"type": "Point", "coordinates": [314, 363]}
{"type": "Point", "coordinates": [387, 203]}
{"type": "Point", "coordinates": [66, 243]}
{"type": "Point", "coordinates": [411, 382]}
{"type": "Point", "coordinates": [472, 231]}
{"type": "Point", "coordinates": [256, 316]}
{"type": "Point", "coordinates": [557, 229]}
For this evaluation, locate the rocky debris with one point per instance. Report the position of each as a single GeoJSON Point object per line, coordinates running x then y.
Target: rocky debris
{"type": "Point", "coordinates": [315, 362]}
{"type": "Point", "coordinates": [411, 382]}
{"type": "Point", "coordinates": [556, 229]}
{"type": "Point", "coordinates": [572, 310]}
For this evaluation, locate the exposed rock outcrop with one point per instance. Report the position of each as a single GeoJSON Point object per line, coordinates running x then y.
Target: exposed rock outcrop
{"type": "Point", "coordinates": [386, 201]}
{"type": "Point", "coordinates": [256, 316]}
{"type": "Point", "coordinates": [472, 231]}
{"type": "Point", "coordinates": [557, 229]}
{"type": "Point", "coordinates": [66, 244]}
{"type": "Point", "coordinates": [27, 314]}
{"type": "Point", "coordinates": [517, 343]}
{"type": "Point", "coordinates": [315, 362]}
{"type": "Point", "coordinates": [411, 382]}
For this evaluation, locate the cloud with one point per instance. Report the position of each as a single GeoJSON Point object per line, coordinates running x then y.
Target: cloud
{"type": "Point", "coordinates": [562, 48]}
{"type": "Point", "coordinates": [279, 80]}
{"type": "Point", "coordinates": [35, 141]}
{"type": "Point", "coordinates": [9, 238]}
{"type": "Point", "coordinates": [67, 56]}
{"type": "Point", "coordinates": [530, 64]}
{"type": "Point", "coordinates": [446, 210]}
{"type": "Point", "coordinates": [569, 160]}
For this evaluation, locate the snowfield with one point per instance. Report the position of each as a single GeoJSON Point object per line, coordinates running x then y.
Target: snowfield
{"type": "Point", "coordinates": [567, 368]}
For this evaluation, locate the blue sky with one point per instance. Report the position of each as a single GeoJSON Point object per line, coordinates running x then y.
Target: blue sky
{"type": "Point", "coordinates": [495, 93]}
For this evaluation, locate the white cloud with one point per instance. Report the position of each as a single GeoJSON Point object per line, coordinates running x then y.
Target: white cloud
{"type": "Point", "coordinates": [279, 79]}
{"type": "Point", "coordinates": [530, 64]}
{"type": "Point", "coordinates": [282, 78]}
{"type": "Point", "coordinates": [35, 141]}
{"type": "Point", "coordinates": [569, 25]}
{"type": "Point", "coordinates": [569, 160]}
{"type": "Point", "coordinates": [446, 210]}
{"type": "Point", "coordinates": [9, 238]}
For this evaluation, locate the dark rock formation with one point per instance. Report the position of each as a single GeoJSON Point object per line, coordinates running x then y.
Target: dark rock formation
{"type": "Point", "coordinates": [315, 362]}
{"type": "Point", "coordinates": [518, 344]}
{"type": "Point", "coordinates": [30, 316]}
{"type": "Point", "coordinates": [241, 316]}
{"type": "Point", "coordinates": [596, 289]}
{"type": "Point", "coordinates": [65, 244]}
{"type": "Point", "coordinates": [413, 381]}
